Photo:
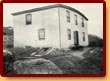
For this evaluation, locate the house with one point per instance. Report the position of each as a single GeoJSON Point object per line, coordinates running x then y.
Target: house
{"type": "Point", "coordinates": [57, 26]}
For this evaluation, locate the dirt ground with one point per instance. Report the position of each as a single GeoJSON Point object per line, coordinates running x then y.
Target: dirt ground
{"type": "Point", "coordinates": [79, 53]}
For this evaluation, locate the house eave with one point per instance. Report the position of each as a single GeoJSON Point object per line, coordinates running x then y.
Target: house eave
{"type": "Point", "coordinates": [49, 7]}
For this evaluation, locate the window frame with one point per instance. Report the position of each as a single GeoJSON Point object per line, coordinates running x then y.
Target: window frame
{"type": "Point", "coordinates": [82, 22]}
{"type": "Point", "coordinates": [28, 22]}
{"type": "Point", "coordinates": [39, 35]}
{"type": "Point", "coordinates": [68, 16]}
{"type": "Point", "coordinates": [69, 34]}
{"type": "Point", "coordinates": [84, 39]}
{"type": "Point", "coordinates": [76, 19]}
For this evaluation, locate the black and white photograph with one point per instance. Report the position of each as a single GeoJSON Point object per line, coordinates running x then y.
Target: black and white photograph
{"type": "Point", "coordinates": [53, 38]}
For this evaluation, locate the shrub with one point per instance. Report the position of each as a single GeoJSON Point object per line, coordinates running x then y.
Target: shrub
{"type": "Point", "coordinates": [95, 59]}
{"type": "Point", "coordinates": [95, 41]}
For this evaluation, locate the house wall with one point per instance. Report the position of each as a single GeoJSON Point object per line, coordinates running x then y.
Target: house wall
{"type": "Point", "coordinates": [64, 25]}
{"type": "Point", "coordinates": [27, 35]}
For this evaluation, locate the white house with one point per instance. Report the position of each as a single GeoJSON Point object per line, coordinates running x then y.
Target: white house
{"type": "Point", "coordinates": [58, 26]}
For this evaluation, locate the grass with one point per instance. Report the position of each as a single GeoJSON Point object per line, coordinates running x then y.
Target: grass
{"type": "Point", "coordinates": [91, 64]}
{"type": "Point", "coordinates": [69, 64]}
{"type": "Point", "coordinates": [23, 52]}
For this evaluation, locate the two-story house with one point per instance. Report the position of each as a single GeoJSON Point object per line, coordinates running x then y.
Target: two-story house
{"type": "Point", "coordinates": [58, 26]}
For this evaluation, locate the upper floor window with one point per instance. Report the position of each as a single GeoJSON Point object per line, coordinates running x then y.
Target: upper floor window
{"type": "Point", "coordinates": [68, 16]}
{"type": "Point", "coordinates": [69, 34]}
{"type": "Point", "coordinates": [82, 22]}
{"type": "Point", "coordinates": [83, 36]}
{"type": "Point", "coordinates": [76, 21]}
{"type": "Point", "coordinates": [41, 33]}
{"type": "Point", "coordinates": [28, 19]}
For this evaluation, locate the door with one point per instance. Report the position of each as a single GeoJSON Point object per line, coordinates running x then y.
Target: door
{"type": "Point", "coordinates": [76, 38]}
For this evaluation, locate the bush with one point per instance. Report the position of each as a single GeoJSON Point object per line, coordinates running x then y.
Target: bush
{"type": "Point", "coordinates": [95, 41]}
{"type": "Point", "coordinates": [95, 59]}
{"type": "Point", "coordinates": [8, 30]}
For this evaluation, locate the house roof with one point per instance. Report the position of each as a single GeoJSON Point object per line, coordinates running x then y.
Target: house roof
{"type": "Point", "coordinates": [49, 7]}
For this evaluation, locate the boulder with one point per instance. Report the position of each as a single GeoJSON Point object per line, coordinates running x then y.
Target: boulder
{"type": "Point", "coordinates": [8, 59]}
{"type": "Point", "coordinates": [36, 66]}
{"type": "Point", "coordinates": [6, 52]}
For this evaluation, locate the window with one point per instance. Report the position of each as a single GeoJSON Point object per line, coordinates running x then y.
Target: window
{"type": "Point", "coordinates": [69, 34]}
{"type": "Point", "coordinates": [82, 22]}
{"type": "Point", "coordinates": [68, 16]}
{"type": "Point", "coordinates": [28, 19]}
{"type": "Point", "coordinates": [41, 33]}
{"type": "Point", "coordinates": [76, 21]}
{"type": "Point", "coordinates": [83, 36]}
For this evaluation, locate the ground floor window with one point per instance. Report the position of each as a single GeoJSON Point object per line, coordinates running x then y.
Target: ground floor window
{"type": "Point", "coordinates": [41, 34]}
{"type": "Point", "coordinates": [83, 36]}
{"type": "Point", "coordinates": [69, 34]}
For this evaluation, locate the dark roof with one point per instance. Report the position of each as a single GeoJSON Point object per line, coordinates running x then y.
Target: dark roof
{"type": "Point", "coordinates": [48, 7]}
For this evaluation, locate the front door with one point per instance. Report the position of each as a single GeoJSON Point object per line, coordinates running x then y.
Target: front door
{"type": "Point", "coordinates": [76, 38]}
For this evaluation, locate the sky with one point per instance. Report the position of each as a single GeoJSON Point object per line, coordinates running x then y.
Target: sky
{"type": "Point", "coordinates": [93, 11]}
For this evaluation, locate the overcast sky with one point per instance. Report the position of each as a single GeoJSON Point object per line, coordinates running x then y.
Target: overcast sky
{"type": "Point", "coordinates": [93, 11]}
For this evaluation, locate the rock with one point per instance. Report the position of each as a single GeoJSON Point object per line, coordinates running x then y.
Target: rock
{"type": "Point", "coordinates": [7, 56]}
{"type": "Point", "coordinates": [6, 52]}
{"type": "Point", "coordinates": [8, 59]}
{"type": "Point", "coordinates": [36, 66]}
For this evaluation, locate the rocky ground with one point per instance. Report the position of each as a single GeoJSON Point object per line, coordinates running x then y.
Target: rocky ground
{"type": "Point", "coordinates": [36, 66]}
{"type": "Point", "coordinates": [82, 61]}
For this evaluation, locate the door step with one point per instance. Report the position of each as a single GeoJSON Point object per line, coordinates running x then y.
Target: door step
{"type": "Point", "coordinates": [42, 51]}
